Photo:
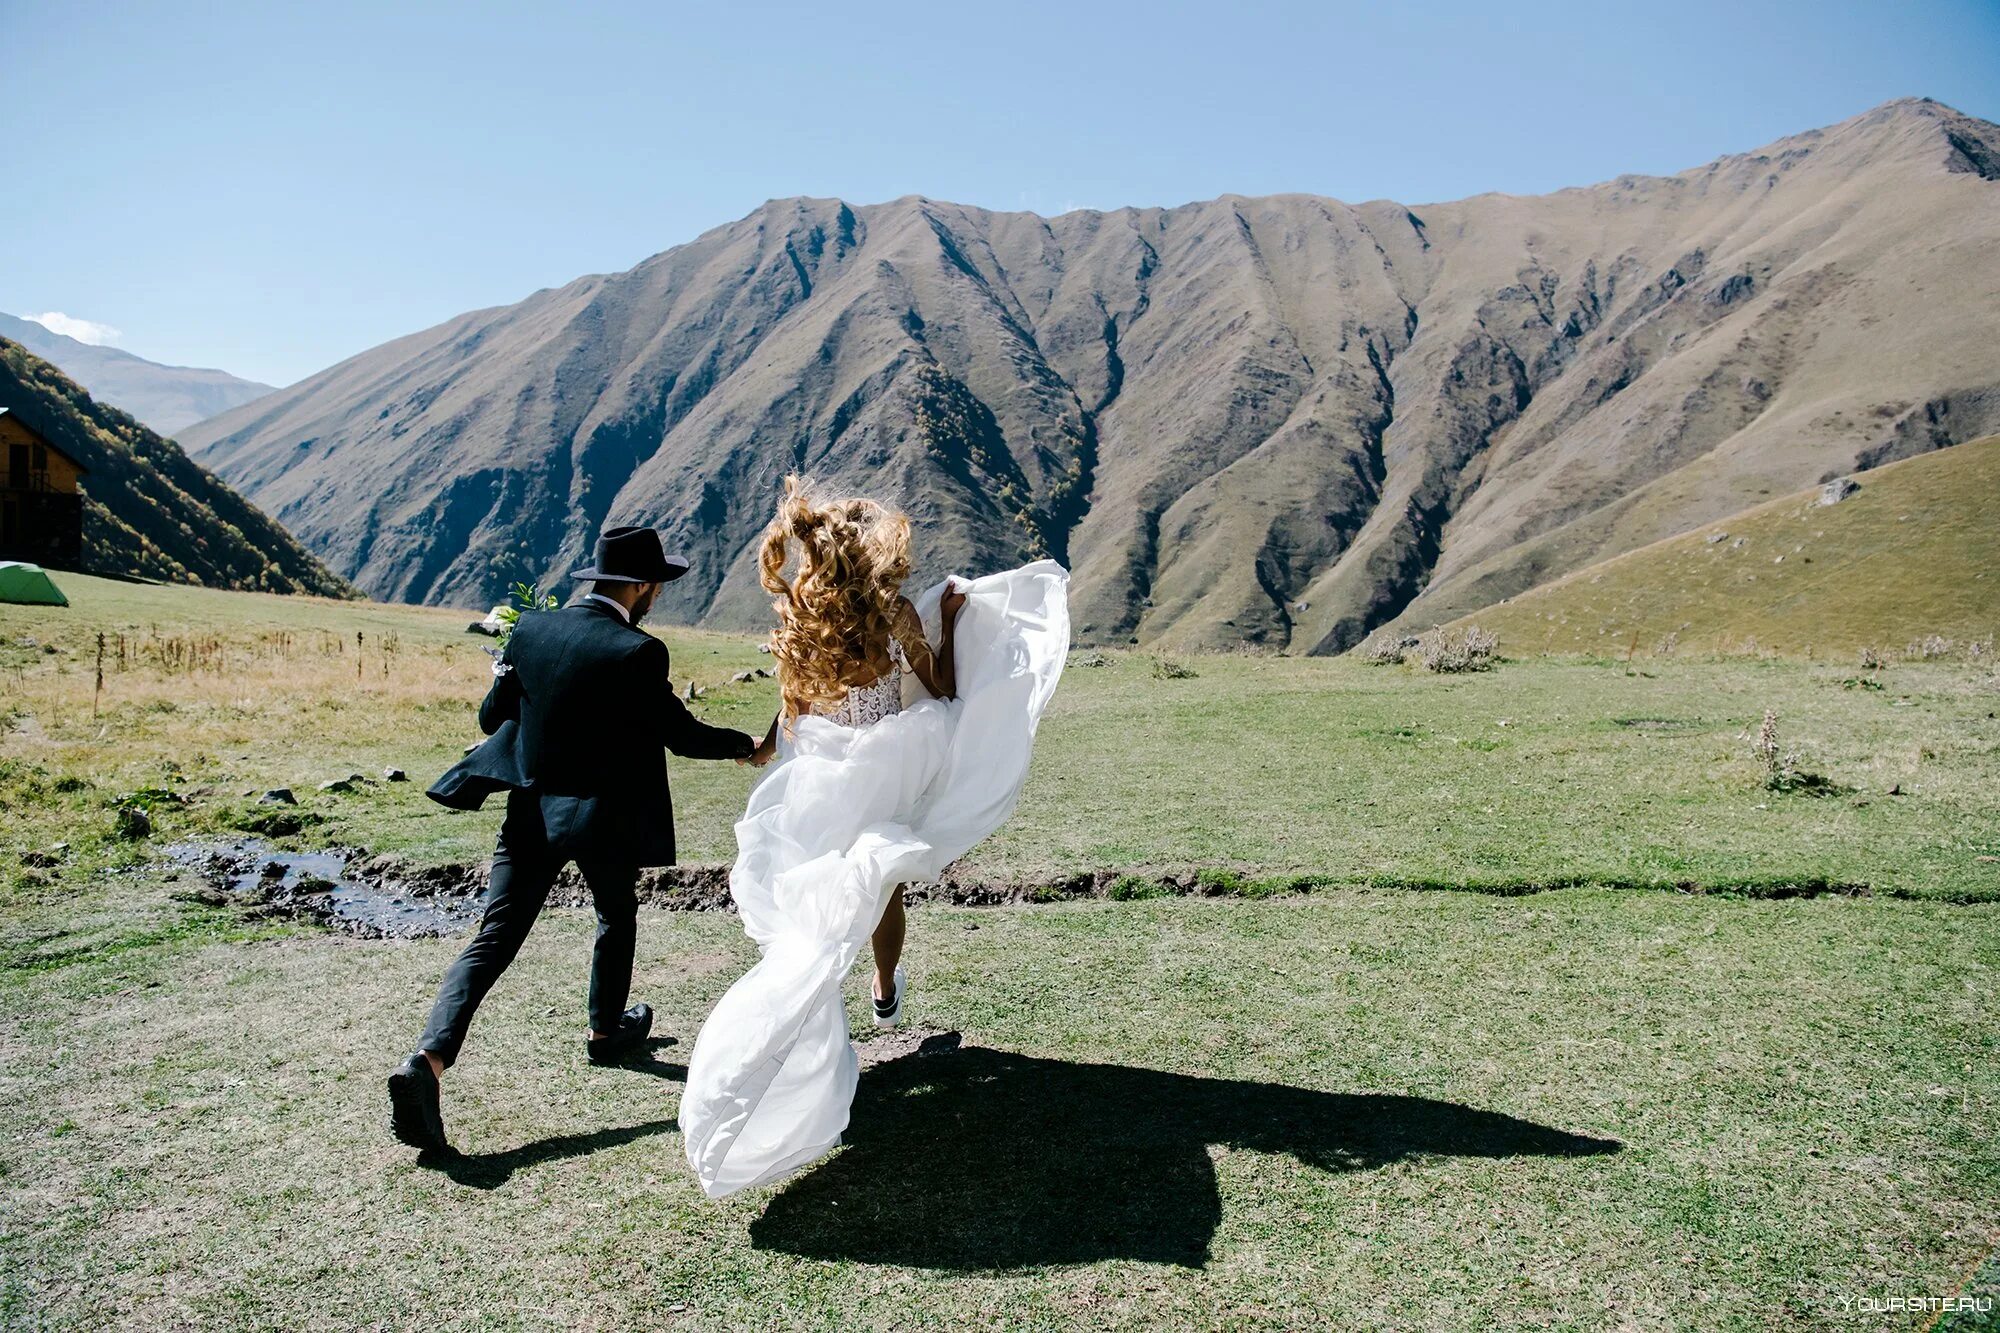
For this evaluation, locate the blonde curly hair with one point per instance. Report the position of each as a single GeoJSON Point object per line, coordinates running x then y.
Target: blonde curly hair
{"type": "Point", "coordinates": [841, 605]}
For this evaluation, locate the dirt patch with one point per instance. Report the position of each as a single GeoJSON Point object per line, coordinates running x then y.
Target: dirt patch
{"type": "Point", "coordinates": [899, 1042]}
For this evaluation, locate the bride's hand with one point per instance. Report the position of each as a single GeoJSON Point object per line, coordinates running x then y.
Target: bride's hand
{"type": "Point", "coordinates": [949, 604]}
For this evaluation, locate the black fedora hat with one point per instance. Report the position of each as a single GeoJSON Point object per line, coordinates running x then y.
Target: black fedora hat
{"type": "Point", "coordinates": [632, 555]}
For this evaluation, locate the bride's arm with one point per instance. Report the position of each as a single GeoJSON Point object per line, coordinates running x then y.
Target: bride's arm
{"type": "Point", "coordinates": [767, 749]}
{"type": "Point", "coordinates": [937, 670]}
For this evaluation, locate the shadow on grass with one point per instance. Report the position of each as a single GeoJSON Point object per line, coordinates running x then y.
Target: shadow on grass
{"type": "Point", "coordinates": [491, 1170]}
{"type": "Point", "coordinates": [976, 1159]}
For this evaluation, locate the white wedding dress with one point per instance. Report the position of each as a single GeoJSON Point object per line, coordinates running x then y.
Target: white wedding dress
{"type": "Point", "coordinates": [843, 815]}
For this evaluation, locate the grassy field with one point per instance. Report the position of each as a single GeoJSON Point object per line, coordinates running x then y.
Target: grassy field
{"type": "Point", "coordinates": [1546, 772]}
{"type": "Point", "coordinates": [1914, 554]}
{"type": "Point", "coordinates": [1660, 1091]}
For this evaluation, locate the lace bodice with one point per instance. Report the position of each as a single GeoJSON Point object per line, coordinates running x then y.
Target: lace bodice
{"type": "Point", "coordinates": [864, 705]}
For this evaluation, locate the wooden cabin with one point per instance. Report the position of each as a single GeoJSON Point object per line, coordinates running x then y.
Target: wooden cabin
{"type": "Point", "coordinates": [41, 506]}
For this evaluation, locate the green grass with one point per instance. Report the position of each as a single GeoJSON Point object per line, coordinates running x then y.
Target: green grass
{"type": "Point", "coordinates": [1357, 1109]}
{"type": "Point", "coordinates": [1544, 772]}
{"type": "Point", "coordinates": [1914, 553]}
{"type": "Point", "coordinates": [1263, 1081]}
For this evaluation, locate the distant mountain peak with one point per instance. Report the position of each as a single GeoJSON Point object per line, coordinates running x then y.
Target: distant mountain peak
{"type": "Point", "coordinates": [167, 398]}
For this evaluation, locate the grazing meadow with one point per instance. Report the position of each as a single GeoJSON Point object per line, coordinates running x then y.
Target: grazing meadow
{"type": "Point", "coordinates": [1577, 992]}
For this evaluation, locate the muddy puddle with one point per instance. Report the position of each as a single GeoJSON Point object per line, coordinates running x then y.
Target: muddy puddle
{"type": "Point", "coordinates": [341, 889]}
{"type": "Point", "coordinates": [386, 897]}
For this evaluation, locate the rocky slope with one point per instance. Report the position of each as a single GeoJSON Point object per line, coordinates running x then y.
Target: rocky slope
{"type": "Point", "coordinates": [165, 398]}
{"type": "Point", "coordinates": [1283, 421]}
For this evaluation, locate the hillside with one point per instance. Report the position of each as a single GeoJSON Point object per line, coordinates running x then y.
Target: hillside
{"type": "Point", "coordinates": [148, 510]}
{"type": "Point", "coordinates": [165, 398]}
{"type": "Point", "coordinates": [1282, 421]}
{"type": "Point", "coordinates": [1913, 553]}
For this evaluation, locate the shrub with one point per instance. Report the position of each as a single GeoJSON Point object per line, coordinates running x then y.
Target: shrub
{"type": "Point", "coordinates": [1873, 659]}
{"type": "Point", "coordinates": [1450, 651]}
{"type": "Point", "coordinates": [1216, 880]}
{"type": "Point", "coordinates": [1132, 888]}
{"type": "Point", "coordinates": [1782, 768]}
{"type": "Point", "coordinates": [1929, 648]}
{"type": "Point", "coordinates": [1381, 652]}
{"type": "Point", "coordinates": [1166, 668]}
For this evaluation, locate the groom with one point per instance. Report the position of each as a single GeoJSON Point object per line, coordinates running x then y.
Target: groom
{"type": "Point", "coordinates": [578, 713]}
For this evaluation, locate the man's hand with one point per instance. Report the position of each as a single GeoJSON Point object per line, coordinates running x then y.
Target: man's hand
{"type": "Point", "coordinates": [949, 604]}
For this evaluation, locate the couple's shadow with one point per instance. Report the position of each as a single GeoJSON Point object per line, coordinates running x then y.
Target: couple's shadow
{"type": "Point", "coordinates": [966, 1158]}
{"type": "Point", "coordinates": [969, 1158]}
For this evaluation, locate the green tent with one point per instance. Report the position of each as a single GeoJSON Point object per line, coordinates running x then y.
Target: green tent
{"type": "Point", "coordinates": [29, 585]}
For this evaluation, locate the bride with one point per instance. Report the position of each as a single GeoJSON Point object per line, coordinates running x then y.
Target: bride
{"type": "Point", "coordinates": [903, 739]}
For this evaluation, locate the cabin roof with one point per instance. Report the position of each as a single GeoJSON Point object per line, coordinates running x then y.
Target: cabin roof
{"type": "Point", "coordinates": [53, 447]}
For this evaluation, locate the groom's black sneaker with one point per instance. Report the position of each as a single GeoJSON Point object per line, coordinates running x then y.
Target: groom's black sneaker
{"type": "Point", "coordinates": [633, 1027]}
{"type": "Point", "coordinates": [413, 1105]}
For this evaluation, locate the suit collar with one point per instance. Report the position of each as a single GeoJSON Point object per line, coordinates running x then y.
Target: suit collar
{"type": "Point", "coordinates": [605, 606]}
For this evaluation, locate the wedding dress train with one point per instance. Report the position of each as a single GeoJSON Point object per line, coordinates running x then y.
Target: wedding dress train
{"type": "Point", "coordinates": [842, 816]}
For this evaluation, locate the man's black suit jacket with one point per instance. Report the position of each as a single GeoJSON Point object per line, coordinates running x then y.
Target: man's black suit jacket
{"type": "Point", "coordinates": [580, 719]}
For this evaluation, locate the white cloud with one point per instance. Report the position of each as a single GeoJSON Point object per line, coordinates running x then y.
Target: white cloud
{"type": "Point", "coordinates": [83, 330]}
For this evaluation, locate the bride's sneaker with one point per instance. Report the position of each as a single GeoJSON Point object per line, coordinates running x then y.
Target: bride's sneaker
{"type": "Point", "coordinates": [889, 1012]}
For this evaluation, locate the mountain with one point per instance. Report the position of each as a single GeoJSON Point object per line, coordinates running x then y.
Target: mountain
{"type": "Point", "coordinates": [166, 398]}
{"type": "Point", "coordinates": [148, 510]}
{"type": "Point", "coordinates": [1283, 421]}
{"type": "Point", "coordinates": [1912, 553]}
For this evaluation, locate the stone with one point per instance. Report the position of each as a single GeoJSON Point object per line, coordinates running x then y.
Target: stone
{"type": "Point", "coordinates": [339, 786]}
{"type": "Point", "coordinates": [133, 822]}
{"type": "Point", "coordinates": [481, 627]}
{"type": "Point", "coordinates": [278, 796]}
{"type": "Point", "coordinates": [394, 775]}
{"type": "Point", "coordinates": [742, 676]}
{"type": "Point", "coordinates": [202, 895]}
{"type": "Point", "coordinates": [1837, 490]}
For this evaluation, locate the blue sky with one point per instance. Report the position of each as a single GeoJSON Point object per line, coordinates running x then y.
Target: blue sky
{"type": "Point", "coordinates": [271, 187]}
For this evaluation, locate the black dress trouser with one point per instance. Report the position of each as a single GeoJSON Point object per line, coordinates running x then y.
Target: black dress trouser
{"type": "Point", "coordinates": [524, 870]}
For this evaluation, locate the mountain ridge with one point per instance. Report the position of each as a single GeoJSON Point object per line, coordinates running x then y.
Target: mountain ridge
{"type": "Point", "coordinates": [1281, 420]}
{"type": "Point", "coordinates": [165, 398]}
{"type": "Point", "coordinates": [148, 510]}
